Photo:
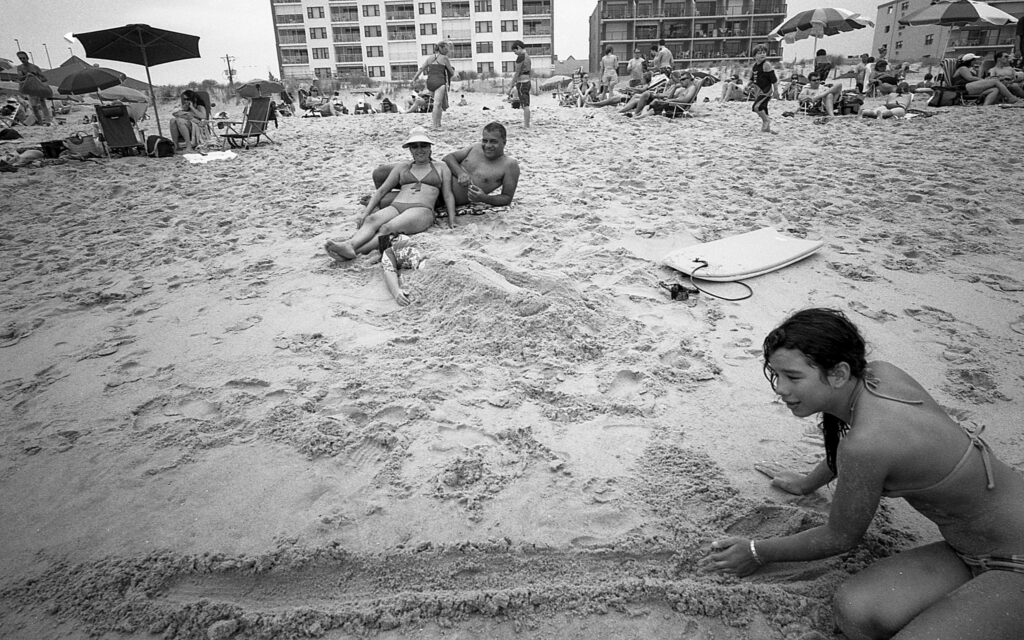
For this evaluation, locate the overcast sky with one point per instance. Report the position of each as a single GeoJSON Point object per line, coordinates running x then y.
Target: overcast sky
{"type": "Point", "coordinates": [243, 30]}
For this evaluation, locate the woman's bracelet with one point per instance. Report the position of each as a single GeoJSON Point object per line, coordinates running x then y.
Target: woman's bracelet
{"type": "Point", "coordinates": [753, 554]}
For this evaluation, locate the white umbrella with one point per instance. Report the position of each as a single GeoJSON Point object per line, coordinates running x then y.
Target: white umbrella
{"type": "Point", "coordinates": [818, 23]}
{"type": "Point", "coordinates": [958, 13]}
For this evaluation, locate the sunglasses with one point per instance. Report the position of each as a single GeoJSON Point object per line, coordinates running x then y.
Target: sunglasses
{"type": "Point", "coordinates": [419, 145]}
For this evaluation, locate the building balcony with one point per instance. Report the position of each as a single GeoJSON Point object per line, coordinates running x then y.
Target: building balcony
{"type": "Point", "coordinates": [292, 40]}
{"type": "Point", "coordinates": [349, 58]}
{"type": "Point", "coordinates": [393, 16]}
{"type": "Point", "coordinates": [288, 19]}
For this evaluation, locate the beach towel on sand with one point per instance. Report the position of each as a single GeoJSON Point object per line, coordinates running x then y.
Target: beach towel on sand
{"type": "Point", "coordinates": [471, 209]}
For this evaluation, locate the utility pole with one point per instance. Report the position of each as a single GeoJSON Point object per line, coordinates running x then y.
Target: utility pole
{"type": "Point", "coordinates": [230, 72]}
{"type": "Point", "coordinates": [49, 65]}
{"type": "Point", "coordinates": [18, 42]}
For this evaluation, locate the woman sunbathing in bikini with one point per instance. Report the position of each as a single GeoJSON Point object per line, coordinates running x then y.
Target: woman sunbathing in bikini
{"type": "Point", "coordinates": [412, 210]}
{"type": "Point", "coordinates": [885, 436]}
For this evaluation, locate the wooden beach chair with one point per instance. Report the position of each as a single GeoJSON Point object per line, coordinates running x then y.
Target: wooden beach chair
{"type": "Point", "coordinates": [119, 130]}
{"type": "Point", "coordinates": [254, 125]}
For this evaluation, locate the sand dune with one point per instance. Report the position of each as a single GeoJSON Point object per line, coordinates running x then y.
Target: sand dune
{"type": "Point", "coordinates": [211, 430]}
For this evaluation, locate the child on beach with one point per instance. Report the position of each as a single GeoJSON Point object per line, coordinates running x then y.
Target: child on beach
{"type": "Point", "coordinates": [763, 78]}
{"type": "Point", "coordinates": [885, 436]}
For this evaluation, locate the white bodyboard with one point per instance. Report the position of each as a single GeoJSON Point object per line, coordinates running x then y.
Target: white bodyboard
{"type": "Point", "coordinates": [742, 256]}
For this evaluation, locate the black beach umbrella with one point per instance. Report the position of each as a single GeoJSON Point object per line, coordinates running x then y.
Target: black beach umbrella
{"type": "Point", "coordinates": [140, 44]}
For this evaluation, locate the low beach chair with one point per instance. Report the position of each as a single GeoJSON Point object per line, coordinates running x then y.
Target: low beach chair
{"type": "Point", "coordinates": [119, 130]}
{"type": "Point", "coordinates": [254, 125]}
{"type": "Point", "coordinates": [681, 109]}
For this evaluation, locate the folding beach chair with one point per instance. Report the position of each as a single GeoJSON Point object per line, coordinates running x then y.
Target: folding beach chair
{"type": "Point", "coordinates": [119, 130]}
{"type": "Point", "coordinates": [945, 87]}
{"type": "Point", "coordinates": [254, 125]}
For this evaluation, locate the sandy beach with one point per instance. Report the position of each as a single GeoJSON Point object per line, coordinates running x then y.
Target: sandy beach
{"type": "Point", "coordinates": [211, 430]}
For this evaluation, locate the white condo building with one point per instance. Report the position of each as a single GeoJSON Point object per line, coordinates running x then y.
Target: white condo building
{"type": "Point", "coordinates": [387, 40]}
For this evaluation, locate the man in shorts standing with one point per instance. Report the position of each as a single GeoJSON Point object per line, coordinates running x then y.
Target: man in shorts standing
{"type": "Point", "coordinates": [521, 79]}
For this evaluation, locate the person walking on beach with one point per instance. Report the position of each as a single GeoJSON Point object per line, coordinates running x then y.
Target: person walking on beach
{"type": "Point", "coordinates": [521, 79]}
{"type": "Point", "coordinates": [412, 210]}
{"type": "Point", "coordinates": [28, 70]}
{"type": "Point", "coordinates": [635, 69]}
{"type": "Point", "coordinates": [609, 72]}
{"type": "Point", "coordinates": [663, 60]}
{"type": "Point", "coordinates": [885, 436]}
{"type": "Point", "coordinates": [766, 83]}
{"type": "Point", "coordinates": [439, 73]}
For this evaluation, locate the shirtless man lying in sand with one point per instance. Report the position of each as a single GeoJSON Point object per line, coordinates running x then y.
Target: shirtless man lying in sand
{"type": "Point", "coordinates": [477, 171]}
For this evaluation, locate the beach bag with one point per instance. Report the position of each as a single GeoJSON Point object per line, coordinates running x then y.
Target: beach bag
{"type": "Point", "coordinates": [9, 134]}
{"type": "Point", "coordinates": [942, 97]}
{"type": "Point", "coordinates": [52, 148]}
{"type": "Point", "coordinates": [33, 86]}
{"type": "Point", "coordinates": [159, 147]}
{"type": "Point", "coordinates": [84, 145]}
{"type": "Point", "coordinates": [851, 105]}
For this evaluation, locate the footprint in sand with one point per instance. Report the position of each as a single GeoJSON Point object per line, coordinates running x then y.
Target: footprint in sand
{"type": "Point", "coordinates": [1018, 325]}
{"type": "Point", "coordinates": [880, 315]}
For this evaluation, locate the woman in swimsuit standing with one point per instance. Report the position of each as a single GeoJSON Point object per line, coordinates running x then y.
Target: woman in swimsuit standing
{"type": "Point", "coordinates": [885, 436]}
{"type": "Point", "coordinates": [439, 73]}
{"type": "Point", "coordinates": [412, 211]}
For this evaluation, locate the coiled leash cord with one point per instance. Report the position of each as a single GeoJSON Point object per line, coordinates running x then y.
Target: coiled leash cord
{"type": "Point", "coordinates": [704, 265]}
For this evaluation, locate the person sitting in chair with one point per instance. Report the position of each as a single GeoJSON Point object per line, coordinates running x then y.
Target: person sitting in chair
{"type": "Point", "coordinates": [819, 98]}
{"type": "Point", "coordinates": [681, 99]}
{"type": "Point", "coordinates": [732, 89]}
{"type": "Point", "coordinates": [1004, 72]}
{"type": "Point", "coordinates": [186, 119]}
{"type": "Point", "coordinates": [990, 90]}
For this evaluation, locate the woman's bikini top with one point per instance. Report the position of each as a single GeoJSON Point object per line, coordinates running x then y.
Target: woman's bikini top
{"type": "Point", "coordinates": [954, 476]}
{"type": "Point", "coordinates": [433, 178]}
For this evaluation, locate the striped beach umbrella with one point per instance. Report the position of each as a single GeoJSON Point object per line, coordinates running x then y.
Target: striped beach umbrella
{"type": "Point", "coordinates": [958, 13]}
{"type": "Point", "coordinates": [818, 23]}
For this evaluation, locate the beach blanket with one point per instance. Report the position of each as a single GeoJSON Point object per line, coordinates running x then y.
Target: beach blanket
{"type": "Point", "coordinates": [471, 209]}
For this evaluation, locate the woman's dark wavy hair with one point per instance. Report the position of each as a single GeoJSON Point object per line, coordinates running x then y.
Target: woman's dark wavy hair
{"type": "Point", "coordinates": [826, 337]}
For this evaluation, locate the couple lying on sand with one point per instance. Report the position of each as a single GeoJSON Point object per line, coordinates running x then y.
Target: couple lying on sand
{"type": "Point", "coordinates": [465, 177]}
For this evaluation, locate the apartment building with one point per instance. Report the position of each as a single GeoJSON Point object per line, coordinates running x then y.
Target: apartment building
{"type": "Point", "coordinates": [932, 42]}
{"type": "Point", "coordinates": [696, 32]}
{"type": "Point", "coordinates": [387, 40]}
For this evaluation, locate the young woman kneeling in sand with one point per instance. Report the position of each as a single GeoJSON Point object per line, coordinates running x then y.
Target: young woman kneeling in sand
{"type": "Point", "coordinates": [885, 436]}
{"type": "Point", "coordinates": [412, 210]}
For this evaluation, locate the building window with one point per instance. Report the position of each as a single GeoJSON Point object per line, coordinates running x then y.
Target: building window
{"type": "Point", "coordinates": [428, 29]}
{"type": "Point", "coordinates": [399, 12]}
{"type": "Point", "coordinates": [929, 39]}
{"type": "Point", "coordinates": [484, 67]}
{"type": "Point", "coordinates": [402, 32]}
{"type": "Point", "coordinates": [375, 72]}
{"type": "Point", "coordinates": [904, 6]}
{"type": "Point", "coordinates": [318, 33]}
{"type": "Point", "coordinates": [322, 72]}
{"type": "Point", "coordinates": [370, 10]}
{"type": "Point", "coordinates": [461, 50]}
{"type": "Point", "coordinates": [509, 5]}
{"type": "Point", "coordinates": [426, 49]}
{"type": "Point", "coordinates": [480, 6]}
{"type": "Point", "coordinates": [375, 52]}
{"type": "Point", "coordinates": [887, 27]}
{"type": "Point", "coordinates": [484, 26]}
{"type": "Point", "coordinates": [372, 31]}
{"type": "Point", "coordinates": [485, 47]}
{"type": "Point", "coordinates": [428, 8]}
{"type": "Point", "coordinates": [506, 45]}
{"type": "Point", "coordinates": [508, 67]}
{"type": "Point", "coordinates": [344, 14]}
{"type": "Point", "coordinates": [315, 12]}
{"type": "Point", "coordinates": [510, 25]}
{"type": "Point", "coordinates": [321, 53]}
{"type": "Point", "coordinates": [899, 44]}
{"type": "Point", "coordinates": [889, 9]}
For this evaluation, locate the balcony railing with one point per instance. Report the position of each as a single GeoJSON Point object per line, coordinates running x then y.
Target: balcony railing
{"type": "Point", "coordinates": [348, 38]}
{"type": "Point", "coordinates": [537, 32]}
{"type": "Point", "coordinates": [292, 40]}
{"type": "Point", "coordinates": [349, 57]}
{"type": "Point", "coordinates": [401, 15]}
{"type": "Point", "coordinates": [455, 13]}
{"type": "Point", "coordinates": [294, 60]}
{"type": "Point", "coordinates": [686, 11]}
{"type": "Point", "coordinates": [289, 19]}
{"type": "Point", "coordinates": [401, 36]}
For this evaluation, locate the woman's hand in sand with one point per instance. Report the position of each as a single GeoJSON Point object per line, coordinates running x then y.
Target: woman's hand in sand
{"type": "Point", "coordinates": [730, 555]}
{"type": "Point", "coordinates": [788, 481]}
{"type": "Point", "coordinates": [402, 298]}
